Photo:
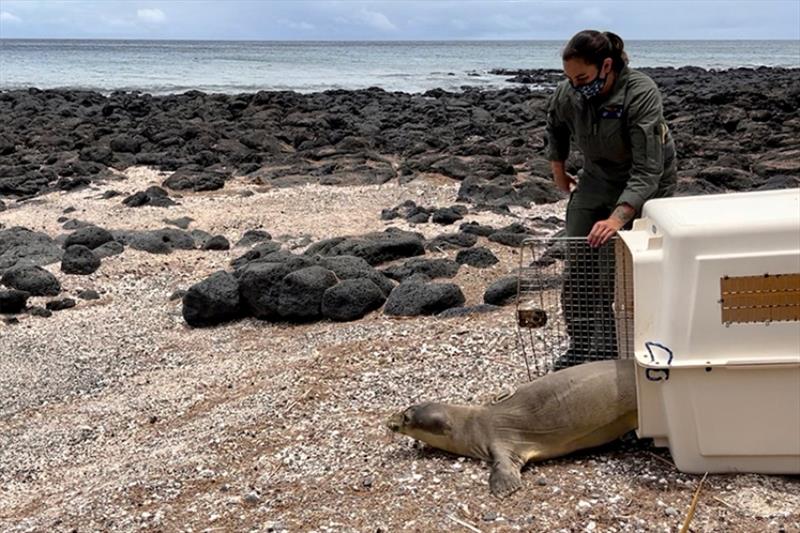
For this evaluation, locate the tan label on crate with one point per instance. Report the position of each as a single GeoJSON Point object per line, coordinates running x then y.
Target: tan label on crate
{"type": "Point", "coordinates": [765, 298]}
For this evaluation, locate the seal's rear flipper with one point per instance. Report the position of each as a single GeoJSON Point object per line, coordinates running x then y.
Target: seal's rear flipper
{"type": "Point", "coordinates": [505, 478]}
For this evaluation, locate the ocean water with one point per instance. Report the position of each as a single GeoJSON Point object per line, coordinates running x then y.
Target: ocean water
{"type": "Point", "coordinates": [160, 67]}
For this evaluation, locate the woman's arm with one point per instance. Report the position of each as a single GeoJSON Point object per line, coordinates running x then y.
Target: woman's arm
{"type": "Point", "coordinates": [558, 144]}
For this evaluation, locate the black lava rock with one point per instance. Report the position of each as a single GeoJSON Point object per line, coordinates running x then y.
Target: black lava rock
{"type": "Point", "coordinates": [256, 253]}
{"type": "Point", "coordinates": [433, 268]}
{"type": "Point", "coordinates": [351, 299]}
{"type": "Point", "coordinates": [446, 216]}
{"type": "Point", "coordinates": [467, 311]}
{"type": "Point", "coordinates": [260, 287]}
{"type": "Point", "coordinates": [212, 301]}
{"type": "Point", "coordinates": [415, 298]}
{"type": "Point", "coordinates": [450, 241]}
{"type": "Point", "coordinates": [477, 229]}
{"type": "Point", "coordinates": [195, 180]}
{"type": "Point", "coordinates": [301, 293]}
{"type": "Point", "coordinates": [153, 196]}
{"type": "Point", "coordinates": [477, 257]}
{"type": "Point", "coordinates": [374, 248]}
{"type": "Point", "coordinates": [254, 236]}
{"type": "Point", "coordinates": [32, 279]}
{"type": "Point", "coordinates": [60, 305]}
{"type": "Point", "coordinates": [88, 294]}
{"type": "Point", "coordinates": [21, 246]}
{"type": "Point", "coordinates": [502, 292]}
{"type": "Point", "coordinates": [40, 312]}
{"type": "Point", "coordinates": [108, 249]}
{"type": "Point", "coordinates": [13, 301]}
{"type": "Point", "coordinates": [89, 236]}
{"type": "Point", "coordinates": [217, 242]}
{"type": "Point", "coordinates": [79, 259]}
{"type": "Point", "coordinates": [351, 267]}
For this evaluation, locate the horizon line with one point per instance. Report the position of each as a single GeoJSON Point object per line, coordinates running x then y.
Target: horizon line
{"type": "Point", "coordinates": [367, 40]}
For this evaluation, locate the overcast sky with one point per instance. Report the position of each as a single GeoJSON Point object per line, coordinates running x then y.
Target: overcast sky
{"type": "Point", "coordinates": [397, 20]}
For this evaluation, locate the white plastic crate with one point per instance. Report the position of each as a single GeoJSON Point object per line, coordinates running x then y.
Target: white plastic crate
{"type": "Point", "coordinates": [716, 329]}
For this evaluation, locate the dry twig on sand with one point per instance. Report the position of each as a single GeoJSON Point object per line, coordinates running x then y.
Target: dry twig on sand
{"type": "Point", "coordinates": [693, 505]}
{"type": "Point", "coordinates": [464, 524]}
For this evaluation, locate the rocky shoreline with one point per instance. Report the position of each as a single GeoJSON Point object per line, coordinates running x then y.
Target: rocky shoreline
{"type": "Point", "coordinates": [735, 130]}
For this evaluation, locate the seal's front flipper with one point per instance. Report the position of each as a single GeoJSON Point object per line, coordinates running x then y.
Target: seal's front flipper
{"type": "Point", "coordinates": [505, 478]}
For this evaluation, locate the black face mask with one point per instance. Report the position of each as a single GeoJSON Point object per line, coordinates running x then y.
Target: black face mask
{"type": "Point", "coordinates": [591, 89]}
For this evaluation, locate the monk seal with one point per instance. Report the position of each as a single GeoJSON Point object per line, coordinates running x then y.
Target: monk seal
{"type": "Point", "coordinates": [576, 408]}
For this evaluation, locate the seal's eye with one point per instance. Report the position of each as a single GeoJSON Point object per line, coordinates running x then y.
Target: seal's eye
{"type": "Point", "coordinates": [407, 417]}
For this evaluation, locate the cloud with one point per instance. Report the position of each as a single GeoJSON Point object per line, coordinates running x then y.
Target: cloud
{"type": "Point", "coordinates": [376, 20]}
{"type": "Point", "coordinates": [151, 16]}
{"type": "Point", "coordinates": [592, 15]}
{"type": "Point", "coordinates": [5, 16]}
{"type": "Point", "coordinates": [302, 25]}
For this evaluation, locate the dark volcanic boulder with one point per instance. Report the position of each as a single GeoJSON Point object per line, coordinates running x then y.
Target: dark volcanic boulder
{"type": "Point", "coordinates": [477, 229]}
{"type": "Point", "coordinates": [212, 301]}
{"type": "Point", "coordinates": [32, 279]}
{"type": "Point", "coordinates": [416, 298]}
{"type": "Point", "coordinates": [301, 293]}
{"type": "Point", "coordinates": [13, 301]}
{"type": "Point", "coordinates": [256, 253]}
{"type": "Point", "coordinates": [79, 259]}
{"type": "Point", "coordinates": [217, 242]}
{"type": "Point", "coordinates": [60, 305]}
{"type": "Point", "coordinates": [477, 257]}
{"type": "Point", "coordinates": [730, 178]}
{"type": "Point", "coordinates": [108, 249]}
{"type": "Point", "coordinates": [195, 180]}
{"type": "Point", "coordinates": [153, 196]}
{"type": "Point", "coordinates": [502, 292]}
{"type": "Point", "coordinates": [21, 246]}
{"type": "Point", "coordinates": [467, 311]}
{"type": "Point", "coordinates": [88, 294]}
{"type": "Point", "coordinates": [374, 248]}
{"type": "Point", "coordinates": [350, 267]}
{"type": "Point", "coordinates": [351, 299]}
{"type": "Point", "coordinates": [89, 236]}
{"type": "Point", "coordinates": [254, 236]}
{"type": "Point", "coordinates": [160, 241]}
{"type": "Point", "coordinates": [433, 268]}
{"type": "Point", "coordinates": [446, 215]}
{"type": "Point", "coordinates": [449, 241]}
{"type": "Point", "coordinates": [260, 286]}
{"type": "Point", "coordinates": [126, 143]}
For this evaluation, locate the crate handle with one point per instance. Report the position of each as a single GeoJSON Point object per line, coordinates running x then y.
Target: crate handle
{"type": "Point", "coordinates": [649, 347]}
{"type": "Point", "coordinates": [649, 371]}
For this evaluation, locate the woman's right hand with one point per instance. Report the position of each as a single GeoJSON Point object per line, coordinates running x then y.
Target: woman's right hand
{"type": "Point", "coordinates": [565, 182]}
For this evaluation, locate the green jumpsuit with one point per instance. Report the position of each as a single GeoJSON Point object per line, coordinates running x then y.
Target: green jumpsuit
{"type": "Point", "coordinates": [628, 157]}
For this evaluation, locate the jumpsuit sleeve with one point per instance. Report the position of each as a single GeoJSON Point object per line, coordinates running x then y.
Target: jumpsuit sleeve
{"type": "Point", "coordinates": [557, 131]}
{"type": "Point", "coordinates": [648, 132]}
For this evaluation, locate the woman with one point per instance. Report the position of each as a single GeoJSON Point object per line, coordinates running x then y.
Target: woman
{"type": "Point", "coordinates": [613, 115]}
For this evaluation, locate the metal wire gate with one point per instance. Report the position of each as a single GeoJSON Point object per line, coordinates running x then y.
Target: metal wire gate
{"type": "Point", "coordinates": [574, 303]}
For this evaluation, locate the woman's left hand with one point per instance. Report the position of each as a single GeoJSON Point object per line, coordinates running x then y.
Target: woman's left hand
{"type": "Point", "coordinates": [603, 230]}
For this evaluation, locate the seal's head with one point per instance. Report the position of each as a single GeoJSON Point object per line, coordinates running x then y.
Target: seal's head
{"type": "Point", "coordinates": [431, 423]}
{"type": "Point", "coordinates": [421, 419]}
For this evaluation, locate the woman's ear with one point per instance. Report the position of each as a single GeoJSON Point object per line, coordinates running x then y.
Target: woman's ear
{"type": "Point", "coordinates": [608, 64]}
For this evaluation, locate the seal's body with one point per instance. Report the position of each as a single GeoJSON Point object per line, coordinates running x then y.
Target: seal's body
{"type": "Point", "coordinates": [572, 409]}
